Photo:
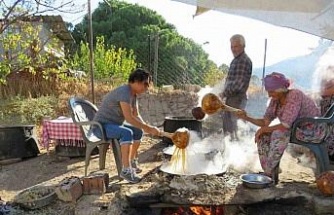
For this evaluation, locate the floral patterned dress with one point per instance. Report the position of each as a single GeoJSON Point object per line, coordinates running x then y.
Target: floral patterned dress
{"type": "Point", "coordinates": [272, 145]}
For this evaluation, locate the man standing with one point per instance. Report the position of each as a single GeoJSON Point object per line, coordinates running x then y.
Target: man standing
{"type": "Point", "coordinates": [236, 84]}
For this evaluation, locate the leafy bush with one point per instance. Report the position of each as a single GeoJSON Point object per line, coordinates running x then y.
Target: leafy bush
{"type": "Point", "coordinates": [109, 63]}
{"type": "Point", "coordinates": [18, 110]}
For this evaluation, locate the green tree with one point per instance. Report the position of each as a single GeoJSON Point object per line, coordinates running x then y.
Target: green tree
{"type": "Point", "coordinates": [22, 48]}
{"type": "Point", "coordinates": [137, 28]}
{"type": "Point", "coordinates": [224, 68]}
{"type": "Point", "coordinates": [109, 63]}
{"type": "Point", "coordinates": [214, 75]}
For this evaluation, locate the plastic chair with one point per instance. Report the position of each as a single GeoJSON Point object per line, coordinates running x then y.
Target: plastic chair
{"type": "Point", "coordinates": [82, 112]}
{"type": "Point", "coordinates": [318, 148]}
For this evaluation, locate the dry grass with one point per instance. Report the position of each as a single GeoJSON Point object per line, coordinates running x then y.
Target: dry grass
{"type": "Point", "coordinates": [29, 100]}
{"type": "Point", "coordinates": [27, 86]}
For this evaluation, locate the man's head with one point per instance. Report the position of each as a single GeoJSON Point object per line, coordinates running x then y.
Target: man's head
{"type": "Point", "coordinates": [237, 44]}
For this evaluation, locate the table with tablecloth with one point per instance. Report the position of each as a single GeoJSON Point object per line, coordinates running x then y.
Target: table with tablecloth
{"type": "Point", "coordinates": [63, 130]}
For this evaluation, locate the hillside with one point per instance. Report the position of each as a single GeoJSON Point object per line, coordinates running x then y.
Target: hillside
{"type": "Point", "coordinates": [300, 69]}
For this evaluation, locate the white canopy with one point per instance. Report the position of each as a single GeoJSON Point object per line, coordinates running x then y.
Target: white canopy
{"type": "Point", "coordinates": [311, 16]}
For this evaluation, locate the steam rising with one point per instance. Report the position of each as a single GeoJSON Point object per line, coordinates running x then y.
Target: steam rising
{"type": "Point", "coordinates": [215, 154]}
{"type": "Point", "coordinates": [324, 70]}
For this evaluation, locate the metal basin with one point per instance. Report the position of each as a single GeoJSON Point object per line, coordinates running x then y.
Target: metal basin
{"type": "Point", "coordinates": [195, 163]}
{"type": "Point", "coordinates": [36, 197]}
{"type": "Point", "coordinates": [255, 181]}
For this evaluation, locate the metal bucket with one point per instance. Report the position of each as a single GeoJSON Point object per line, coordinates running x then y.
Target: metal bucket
{"type": "Point", "coordinates": [17, 141]}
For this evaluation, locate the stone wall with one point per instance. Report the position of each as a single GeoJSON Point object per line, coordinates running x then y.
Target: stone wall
{"type": "Point", "coordinates": [155, 106]}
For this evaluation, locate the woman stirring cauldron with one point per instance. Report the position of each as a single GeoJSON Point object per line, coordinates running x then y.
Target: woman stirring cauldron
{"type": "Point", "coordinates": [285, 104]}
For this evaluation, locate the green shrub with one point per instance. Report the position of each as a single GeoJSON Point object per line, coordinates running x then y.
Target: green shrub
{"type": "Point", "coordinates": [18, 110]}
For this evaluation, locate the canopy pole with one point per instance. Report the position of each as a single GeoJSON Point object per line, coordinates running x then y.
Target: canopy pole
{"type": "Point", "coordinates": [264, 63]}
{"type": "Point", "coordinates": [91, 59]}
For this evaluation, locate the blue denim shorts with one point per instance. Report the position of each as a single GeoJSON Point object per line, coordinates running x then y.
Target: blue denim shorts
{"type": "Point", "coordinates": [126, 134]}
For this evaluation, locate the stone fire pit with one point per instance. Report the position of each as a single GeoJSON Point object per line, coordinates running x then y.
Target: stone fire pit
{"type": "Point", "coordinates": [161, 190]}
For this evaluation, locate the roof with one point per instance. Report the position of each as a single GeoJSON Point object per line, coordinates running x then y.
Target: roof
{"type": "Point", "coordinates": [56, 25]}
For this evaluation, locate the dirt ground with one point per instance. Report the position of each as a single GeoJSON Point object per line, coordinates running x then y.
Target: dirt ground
{"type": "Point", "coordinates": [51, 169]}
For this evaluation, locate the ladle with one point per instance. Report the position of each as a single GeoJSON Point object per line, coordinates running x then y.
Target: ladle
{"type": "Point", "coordinates": [180, 138]}
{"type": "Point", "coordinates": [211, 104]}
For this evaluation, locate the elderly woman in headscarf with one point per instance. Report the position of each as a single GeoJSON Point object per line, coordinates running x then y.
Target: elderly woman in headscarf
{"type": "Point", "coordinates": [285, 104]}
{"type": "Point", "coordinates": [327, 99]}
{"type": "Point", "coordinates": [327, 89]}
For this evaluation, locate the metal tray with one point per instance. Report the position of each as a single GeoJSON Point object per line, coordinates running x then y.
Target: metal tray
{"type": "Point", "coordinates": [256, 181]}
{"type": "Point", "coordinates": [35, 197]}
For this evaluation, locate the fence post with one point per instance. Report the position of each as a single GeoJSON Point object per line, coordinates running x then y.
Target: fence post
{"type": "Point", "coordinates": [149, 53]}
{"type": "Point", "coordinates": [156, 58]}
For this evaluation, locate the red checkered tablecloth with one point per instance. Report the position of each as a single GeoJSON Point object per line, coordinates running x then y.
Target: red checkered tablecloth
{"type": "Point", "coordinates": [62, 129]}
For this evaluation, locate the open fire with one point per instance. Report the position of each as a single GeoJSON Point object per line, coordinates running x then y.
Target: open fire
{"type": "Point", "coordinates": [194, 210]}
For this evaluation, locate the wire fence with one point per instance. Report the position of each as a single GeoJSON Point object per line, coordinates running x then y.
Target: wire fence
{"type": "Point", "coordinates": [169, 66]}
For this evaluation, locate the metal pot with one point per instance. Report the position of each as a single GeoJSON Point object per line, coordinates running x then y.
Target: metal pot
{"type": "Point", "coordinates": [17, 141]}
{"type": "Point", "coordinates": [171, 124]}
{"type": "Point", "coordinates": [256, 181]}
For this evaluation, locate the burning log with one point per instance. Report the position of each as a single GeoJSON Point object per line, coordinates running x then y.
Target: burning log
{"type": "Point", "coordinates": [194, 210]}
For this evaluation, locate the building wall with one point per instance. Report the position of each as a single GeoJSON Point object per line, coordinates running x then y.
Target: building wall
{"type": "Point", "coordinates": [154, 107]}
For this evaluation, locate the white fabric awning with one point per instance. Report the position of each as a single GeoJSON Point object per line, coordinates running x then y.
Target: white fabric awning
{"type": "Point", "coordinates": [311, 16]}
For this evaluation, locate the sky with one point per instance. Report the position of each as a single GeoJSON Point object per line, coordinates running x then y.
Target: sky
{"type": "Point", "coordinates": [213, 30]}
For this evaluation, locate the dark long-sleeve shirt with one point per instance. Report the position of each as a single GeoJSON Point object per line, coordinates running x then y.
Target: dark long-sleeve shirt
{"type": "Point", "coordinates": [238, 77]}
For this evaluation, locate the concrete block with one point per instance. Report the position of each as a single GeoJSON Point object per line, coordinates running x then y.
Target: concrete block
{"type": "Point", "coordinates": [95, 183]}
{"type": "Point", "coordinates": [69, 189]}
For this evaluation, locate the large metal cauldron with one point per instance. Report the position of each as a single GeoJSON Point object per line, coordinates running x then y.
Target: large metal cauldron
{"type": "Point", "coordinates": [17, 141]}
{"type": "Point", "coordinates": [171, 124]}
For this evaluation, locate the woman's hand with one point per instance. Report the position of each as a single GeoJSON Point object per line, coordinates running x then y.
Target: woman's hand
{"type": "Point", "coordinates": [152, 130]}
{"type": "Point", "coordinates": [258, 135]}
{"type": "Point", "coordinates": [260, 132]}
